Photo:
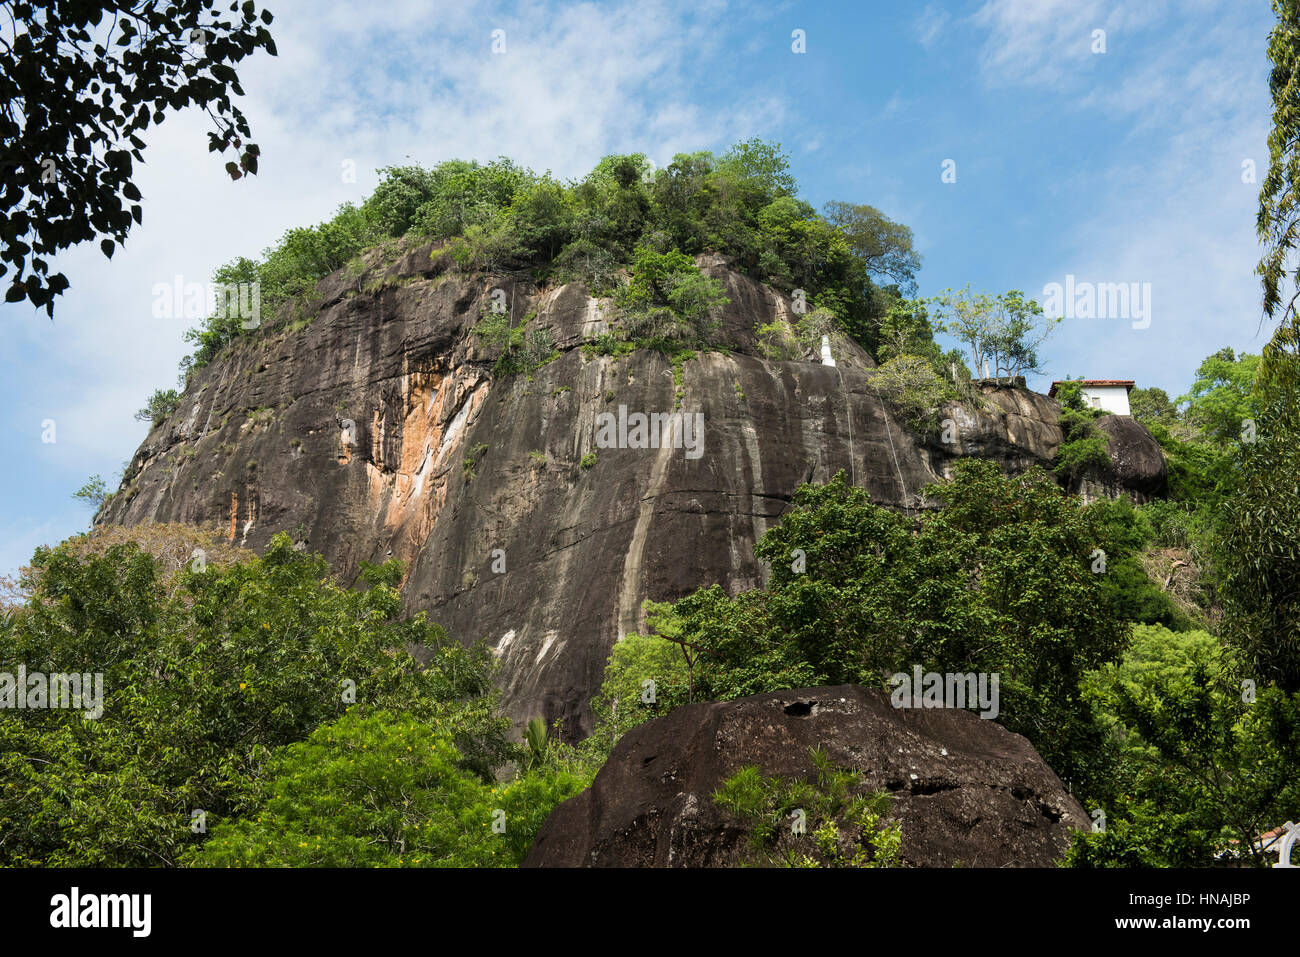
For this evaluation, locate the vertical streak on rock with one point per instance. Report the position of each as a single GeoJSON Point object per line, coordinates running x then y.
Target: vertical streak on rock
{"type": "Point", "coordinates": [902, 486]}
{"type": "Point", "coordinates": [848, 421]}
{"type": "Point", "coordinates": [754, 481]}
{"type": "Point", "coordinates": [629, 609]}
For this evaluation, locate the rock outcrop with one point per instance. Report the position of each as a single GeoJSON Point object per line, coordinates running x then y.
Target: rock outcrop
{"type": "Point", "coordinates": [965, 791]}
{"type": "Point", "coordinates": [1137, 466]}
{"type": "Point", "coordinates": [369, 425]}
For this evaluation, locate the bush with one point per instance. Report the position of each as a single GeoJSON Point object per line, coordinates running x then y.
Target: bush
{"type": "Point", "coordinates": [1082, 447]}
{"type": "Point", "coordinates": [668, 300]}
{"type": "Point", "coordinates": [911, 386]}
{"type": "Point", "coordinates": [846, 824]}
{"type": "Point", "coordinates": [161, 404]}
{"type": "Point", "coordinates": [383, 790]}
{"type": "Point", "coordinates": [645, 677]}
{"type": "Point", "coordinates": [519, 349]}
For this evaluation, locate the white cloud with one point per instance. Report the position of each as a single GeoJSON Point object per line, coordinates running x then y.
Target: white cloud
{"type": "Point", "coordinates": [413, 82]}
{"type": "Point", "coordinates": [931, 22]}
{"type": "Point", "coordinates": [1175, 213]}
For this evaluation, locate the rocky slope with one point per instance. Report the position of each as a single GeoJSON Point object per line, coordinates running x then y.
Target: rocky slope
{"type": "Point", "coordinates": [369, 425]}
{"type": "Point", "coordinates": [965, 792]}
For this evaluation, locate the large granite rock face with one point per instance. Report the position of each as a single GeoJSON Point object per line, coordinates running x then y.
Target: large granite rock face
{"type": "Point", "coordinates": [1137, 466]}
{"type": "Point", "coordinates": [370, 425]}
{"type": "Point", "coordinates": [965, 791]}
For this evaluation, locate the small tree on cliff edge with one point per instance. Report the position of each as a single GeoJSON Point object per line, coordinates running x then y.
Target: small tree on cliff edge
{"type": "Point", "coordinates": [1006, 330]}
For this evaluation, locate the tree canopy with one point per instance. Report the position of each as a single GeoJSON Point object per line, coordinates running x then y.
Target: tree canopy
{"type": "Point", "coordinates": [79, 83]}
{"type": "Point", "coordinates": [624, 215]}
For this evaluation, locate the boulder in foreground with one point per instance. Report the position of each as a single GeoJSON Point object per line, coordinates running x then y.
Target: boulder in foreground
{"type": "Point", "coordinates": [966, 791]}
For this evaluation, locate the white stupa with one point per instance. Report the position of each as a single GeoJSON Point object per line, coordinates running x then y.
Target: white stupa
{"type": "Point", "coordinates": [826, 351]}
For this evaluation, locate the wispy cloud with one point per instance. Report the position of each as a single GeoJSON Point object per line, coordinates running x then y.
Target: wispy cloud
{"type": "Point", "coordinates": [1171, 209]}
{"type": "Point", "coordinates": [415, 82]}
{"type": "Point", "coordinates": [929, 24]}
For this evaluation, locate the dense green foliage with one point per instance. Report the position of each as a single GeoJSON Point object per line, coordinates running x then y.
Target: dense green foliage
{"type": "Point", "coordinates": [624, 215]}
{"type": "Point", "coordinates": [646, 676]}
{"type": "Point", "coordinates": [669, 301]}
{"type": "Point", "coordinates": [380, 790]}
{"type": "Point", "coordinates": [1277, 224]}
{"type": "Point", "coordinates": [1152, 406]}
{"type": "Point", "coordinates": [1204, 766]}
{"type": "Point", "coordinates": [1222, 399]}
{"type": "Point", "coordinates": [1083, 446]}
{"type": "Point", "coordinates": [201, 683]}
{"type": "Point", "coordinates": [1259, 550]}
{"type": "Point", "coordinates": [1000, 580]}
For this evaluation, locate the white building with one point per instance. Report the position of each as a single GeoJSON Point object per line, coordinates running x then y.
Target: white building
{"type": "Point", "coordinates": [1109, 395]}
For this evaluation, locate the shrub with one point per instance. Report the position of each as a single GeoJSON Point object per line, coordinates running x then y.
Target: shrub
{"type": "Point", "coordinates": [845, 824]}
{"type": "Point", "coordinates": [382, 790]}
{"type": "Point", "coordinates": [668, 300]}
{"type": "Point", "coordinates": [910, 385]}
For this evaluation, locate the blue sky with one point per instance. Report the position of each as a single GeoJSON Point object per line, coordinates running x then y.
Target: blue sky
{"type": "Point", "coordinates": [1116, 166]}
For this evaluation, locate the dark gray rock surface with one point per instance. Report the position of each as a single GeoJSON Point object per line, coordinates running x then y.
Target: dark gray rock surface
{"type": "Point", "coordinates": [1137, 466]}
{"type": "Point", "coordinates": [965, 791]}
{"type": "Point", "coordinates": [349, 423]}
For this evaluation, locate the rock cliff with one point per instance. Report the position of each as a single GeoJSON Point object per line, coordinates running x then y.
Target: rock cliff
{"type": "Point", "coordinates": [369, 424]}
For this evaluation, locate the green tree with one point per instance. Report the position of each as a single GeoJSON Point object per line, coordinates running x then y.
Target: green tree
{"type": "Point", "coordinates": [1151, 406]}
{"type": "Point", "coordinates": [1222, 398]}
{"type": "Point", "coordinates": [161, 404]}
{"type": "Point", "coordinates": [93, 493]}
{"type": "Point", "coordinates": [200, 683]}
{"type": "Point", "coordinates": [1278, 220]}
{"type": "Point", "coordinates": [884, 246]}
{"type": "Point", "coordinates": [905, 329]}
{"type": "Point", "coordinates": [763, 163]}
{"type": "Point", "coordinates": [503, 218]}
{"type": "Point", "coordinates": [645, 677]}
{"type": "Point", "coordinates": [1000, 580]}
{"type": "Point", "coordinates": [1204, 768]}
{"type": "Point", "coordinates": [1006, 330]}
{"type": "Point", "coordinates": [80, 83]}
{"type": "Point", "coordinates": [1083, 447]}
{"type": "Point", "coordinates": [1259, 551]}
{"type": "Point", "coordinates": [382, 790]}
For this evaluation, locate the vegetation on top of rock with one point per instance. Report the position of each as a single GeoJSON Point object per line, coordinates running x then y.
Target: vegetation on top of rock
{"type": "Point", "coordinates": [624, 215]}
{"type": "Point", "coordinates": [1003, 332]}
{"type": "Point", "coordinates": [1083, 447]}
{"type": "Point", "coordinates": [849, 825]}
